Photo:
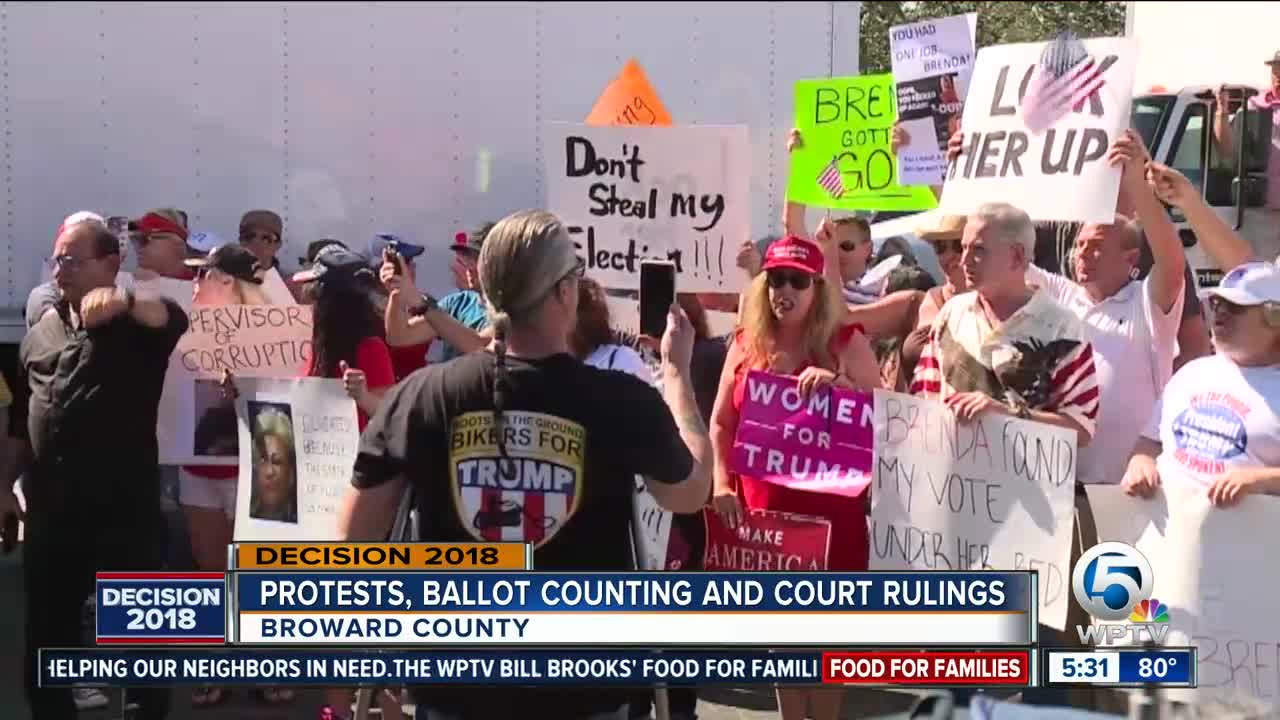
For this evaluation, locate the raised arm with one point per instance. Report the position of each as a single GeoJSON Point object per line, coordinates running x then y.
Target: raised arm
{"type": "Point", "coordinates": [1221, 243]}
{"type": "Point", "coordinates": [1169, 261]}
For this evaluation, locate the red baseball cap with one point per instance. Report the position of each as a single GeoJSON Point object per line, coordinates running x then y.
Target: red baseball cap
{"type": "Point", "coordinates": [795, 253]}
{"type": "Point", "coordinates": [155, 222]}
{"type": "Point", "coordinates": [471, 241]}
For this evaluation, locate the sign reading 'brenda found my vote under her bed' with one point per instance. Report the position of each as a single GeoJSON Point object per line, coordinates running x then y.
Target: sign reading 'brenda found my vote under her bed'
{"type": "Point", "coordinates": [821, 443]}
{"type": "Point", "coordinates": [630, 194]}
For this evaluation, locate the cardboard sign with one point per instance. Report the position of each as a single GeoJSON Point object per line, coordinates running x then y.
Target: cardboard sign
{"type": "Point", "coordinates": [651, 530]}
{"type": "Point", "coordinates": [298, 441]}
{"type": "Point", "coordinates": [629, 194]}
{"type": "Point", "coordinates": [1059, 173]}
{"type": "Point", "coordinates": [932, 62]}
{"type": "Point", "coordinates": [997, 493]}
{"type": "Point", "coordinates": [845, 160]}
{"type": "Point", "coordinates": [820, 444]}
{"type": "Point", "coordinates": [629, 100]}
{"type": "Point", "coordinates": [1211, 567]}
{"type": "Point", "coordinates": [767, 541]}
{"type": "Point", "coordinates": [195, 425]}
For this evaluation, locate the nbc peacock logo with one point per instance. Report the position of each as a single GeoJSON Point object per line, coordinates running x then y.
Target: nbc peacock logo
{"type": "Point", "coordinates": [1150, 611]}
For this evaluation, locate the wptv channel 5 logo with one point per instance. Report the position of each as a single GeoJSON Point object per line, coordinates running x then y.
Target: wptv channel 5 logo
{"type": "Point", "coordinates": [1112, 581]}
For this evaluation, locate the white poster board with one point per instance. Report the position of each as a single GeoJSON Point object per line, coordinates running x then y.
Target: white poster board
{"type": "Point", "coordinates": [651, 529]}
{"type": "Point", "coordinates": [635, 193]}
{"type": "Point", "coordinates": [195, 425]}
{"type": "Point", "coordinates": [298, 444]}
{"type": "Point", "coordinates": [1212, 568]}
{"type": "Point", "coordinates": [1059, 173]}
{"type": "Point", "coordinates": [932, 64]}
{"type": "Point", "coordinates": [997, 494]}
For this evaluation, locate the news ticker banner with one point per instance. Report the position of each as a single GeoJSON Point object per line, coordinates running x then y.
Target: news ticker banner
{"type": "Point", "coordinates": [327, 667]}
{"type": "Point", "coordinates": [646, 609]}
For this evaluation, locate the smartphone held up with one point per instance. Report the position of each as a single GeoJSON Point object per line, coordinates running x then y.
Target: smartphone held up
{"type": "Point", "coordinates": [657, 295]}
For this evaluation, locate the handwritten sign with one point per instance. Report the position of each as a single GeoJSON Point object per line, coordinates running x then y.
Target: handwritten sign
{"type": "Point", "coordinates": [630, 194]}
{"type": "Point", "coordinates": [998, 493]}
{"type": "Point", "coordinates": [1211, 568]}
{"type": "Point", "coordinates": [629, 100]}
{"type": "Point", "coordinates": [932, 62]}
{"type": "Point", "coordinates": [1061, 173]}
{"type": "Point", "coordinates": [651, 527]}
{"type": "Point", "coordinates": [767, 541]}
{"type": "Point", "coordinates": [298, 441]}
{"type": "Point", "coordinates": [821, 443]}
{"type": "Point", "coordinates": [845, 160]}
{"type": "Point", "coordinates": [250, 341]}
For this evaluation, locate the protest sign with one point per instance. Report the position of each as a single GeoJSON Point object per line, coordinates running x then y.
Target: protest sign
{"type": "Point", "coordinates": [1210, 571]}
{"type": "Point", "coordinates": [250, 341]}
{"type": "Point", "coordinates": [995, 493]}
{"type": "Point", "coordinates": [932, 62]}
{"type": "Point", "coordinates": [844, 160]}
{"type": "Point", "coordinates": [1058, 172]}
{"type": "Point", "coordinates": [651, 528]}
{"type": "Point", "coordinates": [767, 541]}
{"type": "Point", "coordinates": [298, 441]}
{"type": "Point", "coordinates": [629, 100]}
{"type": "Point", "coordinates": [821, 443]}
{"type": "Point", "coordinates": [629, 194]}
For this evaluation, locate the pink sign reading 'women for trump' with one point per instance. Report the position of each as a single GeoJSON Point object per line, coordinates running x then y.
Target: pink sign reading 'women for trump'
{"type": "Point", "coordinates": [821, 443]}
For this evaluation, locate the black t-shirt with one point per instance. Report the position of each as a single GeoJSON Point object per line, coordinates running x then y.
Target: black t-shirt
{"type": "Point", "coordinates": [94, 400]}
{"type": "Point", "coordinates": [577, 435]}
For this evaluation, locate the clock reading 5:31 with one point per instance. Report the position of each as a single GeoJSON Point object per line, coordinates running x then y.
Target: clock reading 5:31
{"type": "Point", "coordinates": [1084, 667]}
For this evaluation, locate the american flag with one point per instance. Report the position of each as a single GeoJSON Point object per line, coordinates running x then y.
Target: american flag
{"type": "Point", "coordinates": [1066, 76]}
{"type": "Point", "coordinates": [830, 180]}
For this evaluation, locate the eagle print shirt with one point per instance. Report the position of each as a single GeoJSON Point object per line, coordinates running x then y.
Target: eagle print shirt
{"type": "Point", "coordinates": [1038, 356]}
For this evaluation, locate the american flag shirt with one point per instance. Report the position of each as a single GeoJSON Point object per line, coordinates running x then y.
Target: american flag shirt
{"type": "Point", "coordinates": [1038, 356]}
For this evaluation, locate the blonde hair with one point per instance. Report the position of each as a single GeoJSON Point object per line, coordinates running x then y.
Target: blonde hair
{"type": "Point", "coordinates": [274, 423]}
{"type": "Point", "coordinates": [250, 293]}
{"type": "Point", "coordinates": [759, 326]}
{"type": "Point", "coordinates": [524, 257]}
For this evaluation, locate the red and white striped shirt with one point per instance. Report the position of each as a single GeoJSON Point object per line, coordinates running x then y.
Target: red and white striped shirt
{"type": "Point", "coordinates": [1038, 356]}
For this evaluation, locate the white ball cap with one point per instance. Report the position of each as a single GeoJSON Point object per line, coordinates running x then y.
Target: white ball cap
{"type": "Point", "coordinates": [1253, 283]}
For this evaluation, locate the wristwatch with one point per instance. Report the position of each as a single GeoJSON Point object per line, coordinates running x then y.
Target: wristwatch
{"type": "Point", "coordinates": [426, 305]}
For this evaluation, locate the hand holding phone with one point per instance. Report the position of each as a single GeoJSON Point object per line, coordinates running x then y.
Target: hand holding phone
{"type": "Point", "coordinates": [657, 295]}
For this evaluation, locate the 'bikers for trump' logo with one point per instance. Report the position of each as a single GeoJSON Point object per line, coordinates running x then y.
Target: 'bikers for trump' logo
{"type": "Point", "coordinates": [542, 483]}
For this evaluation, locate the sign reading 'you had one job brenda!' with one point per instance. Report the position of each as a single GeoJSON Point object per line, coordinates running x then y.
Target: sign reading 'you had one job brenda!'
{"type": "Point", "coordinates": [1039, 139]}
{"type": "Point", "coordinates": [629, 194]}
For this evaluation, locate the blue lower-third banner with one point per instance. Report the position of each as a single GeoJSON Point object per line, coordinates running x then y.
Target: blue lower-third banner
{"type": "Point", "coordinates": [137, 667]}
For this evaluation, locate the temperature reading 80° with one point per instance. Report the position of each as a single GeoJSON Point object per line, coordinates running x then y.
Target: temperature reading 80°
{"type": "Point", "coordinates": [1155, 667]}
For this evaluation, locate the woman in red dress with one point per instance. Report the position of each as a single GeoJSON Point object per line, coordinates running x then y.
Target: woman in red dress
{"type": "Point", "coordinates": [791, 326]}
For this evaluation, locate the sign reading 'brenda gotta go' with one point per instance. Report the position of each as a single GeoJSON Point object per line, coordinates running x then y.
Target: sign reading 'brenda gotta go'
{"type": "Point", "coordinates": [821, 443]}
{"type": "Point", "coordinates": [630, 194]}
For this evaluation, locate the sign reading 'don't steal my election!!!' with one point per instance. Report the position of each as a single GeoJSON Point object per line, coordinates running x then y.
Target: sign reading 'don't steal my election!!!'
{"type": "Point", "coordinates": [995, 493]}
{"type": "Point", "coordinates": [844, 160]}
{"type": "Point", "coordinates": [1038, 122]}
{"type": "Point", "coordinates": [629, 194]}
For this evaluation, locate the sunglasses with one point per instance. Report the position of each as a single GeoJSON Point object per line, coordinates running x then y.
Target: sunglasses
{"type": "Point", "coordinates": [269, 238]}
{"type": "Point", "coordinates": [782, 278]}
{"type": "Point", "coordinates": [1219, 305]}
{"type": "Point", "coordinates": [942, 246]}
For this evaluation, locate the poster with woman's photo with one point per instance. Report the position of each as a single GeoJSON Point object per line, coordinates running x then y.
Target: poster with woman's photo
{"type": "Point", "coordinates": [932, 62]}
{"type": "Point", "coordinates": [297, 443]}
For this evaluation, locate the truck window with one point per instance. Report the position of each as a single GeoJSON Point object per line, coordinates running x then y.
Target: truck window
{"type": "Point", "coordinates": [1188, 144]}
{"type": "Point", "coordinates": [1148, 114]}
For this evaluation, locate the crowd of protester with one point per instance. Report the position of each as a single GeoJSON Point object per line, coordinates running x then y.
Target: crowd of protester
{"type": "Point", "coordinates": [1114, 347]}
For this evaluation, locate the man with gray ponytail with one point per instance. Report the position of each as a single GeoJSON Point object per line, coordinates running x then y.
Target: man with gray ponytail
{"type": "Point", "coordinates": [523, 442]}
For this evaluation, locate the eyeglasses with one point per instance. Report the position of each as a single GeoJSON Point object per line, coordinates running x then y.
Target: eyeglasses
{"type": "Point", "coordinates": [68, 263]}
{"type": "Point", "coordinates": [797, 280]}
{"type": "Point", "coordinates": [942, 246]}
